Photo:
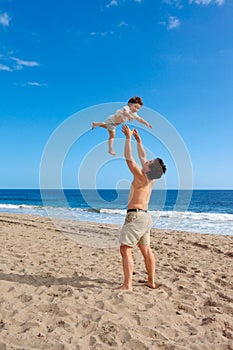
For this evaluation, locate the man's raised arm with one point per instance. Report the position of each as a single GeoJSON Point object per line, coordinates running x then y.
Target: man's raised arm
{"type": "Point", "coordinates": [128, 149]}
{"type": "Point", "coordinates": [133, 167]}
{"type": "Point", "coordinates": [140, 148]}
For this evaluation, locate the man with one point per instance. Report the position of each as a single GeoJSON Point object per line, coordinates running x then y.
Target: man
{"type": "Point", "coordinates": [138, 222]}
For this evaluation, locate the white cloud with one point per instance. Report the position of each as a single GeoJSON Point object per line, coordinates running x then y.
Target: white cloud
{"type": "Point", "coordinates": [5, 19]}
{"type": "Point", "coordinates": [176, 3]}
{"type": "Point", "coordinates": [21, 63]}
{"type": "Point", "coordinates": [35, 83]}
{"type": "Point", "coordinates": [25, 63]}
{"type": "Point", "coordinates": [102, 33]}
{"type": "Point", "coordinates": [207, 2]}
{"type": "Point", "coordinates": [123, 24]}
{"type": "Point", "coordinates": [4, 67]}
{"type": "Point", "coordinates": [10, 63]}
{"type": "Point", "coordinates": [117, 2]}
{"type": "Point", "coordinates": [112, 3]}
{"type": "Point", "coordinates": [173, 22]}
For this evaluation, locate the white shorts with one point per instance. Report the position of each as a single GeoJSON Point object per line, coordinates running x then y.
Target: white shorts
{"type": "Point", "coordinates": [136, 229]}
{"type": "Point", "coordinates": [110, 123]}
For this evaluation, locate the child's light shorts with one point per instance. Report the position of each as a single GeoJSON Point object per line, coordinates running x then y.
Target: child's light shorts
{"type": "Point", "coordinates": [110, 123]}
{"type": "Point", "coordinates": [136, 229]}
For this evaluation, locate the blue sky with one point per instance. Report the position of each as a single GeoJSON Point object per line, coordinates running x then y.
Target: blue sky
{"type": "Point", "coordinates": [58, 58]}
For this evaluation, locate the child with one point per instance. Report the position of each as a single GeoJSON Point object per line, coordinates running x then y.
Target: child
{"type": "Point", "coordinates": [127, 113]}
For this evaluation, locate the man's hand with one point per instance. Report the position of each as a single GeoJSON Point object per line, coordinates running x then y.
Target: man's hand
{"type": "Point", "coordinates": [136, 135]}
{"type": "Point", "coordinates": [141, 151]}
{"type": "Point", "coordinates": [126, 130]}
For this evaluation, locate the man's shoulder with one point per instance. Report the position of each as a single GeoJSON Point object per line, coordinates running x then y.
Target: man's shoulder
{"type": "Point", "coordinates": [133, 165]}
{"type": "Point", "coordinates": [139, 173]}
{"type": "Point", "coordinates": [140, 182]}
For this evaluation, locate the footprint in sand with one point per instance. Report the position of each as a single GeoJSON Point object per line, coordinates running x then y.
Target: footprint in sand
{"type": "Point", "coordinates": [108, 339]}
{"type": "Point", "coordinates": [52, 309]}
{"type": "Point", "coordinates": [207, 320]}
{"type": "Point", "coordinates": [188, 297]}
{"type": "Point", "coordinates": [186, 308]}
{"type": "Point", "coordinates": [117, 299]}
{"type": "Point", "coordinates": [85, 327]}
{"type": "Point", "coordinates": [148, 332]}
{"type": "Point", "coordinates": [225, 297]}
{"type": "Point", "coordinates": [100, 304]}
{"type": "Point", "coordinates": [180, 269]}
{"type": "Point", "coordinates": [124, 336]}
{"type": "Point", "coordinates": [25, 298]}
{"type": "Point", "coordinates": [108, 334]}
{"type": "Point", "coordinates": [135, 344]}
{"type": "Point", "coordinates": [211, 302]}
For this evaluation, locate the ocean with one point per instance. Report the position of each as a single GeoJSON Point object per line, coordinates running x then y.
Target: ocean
{"type": "Point", "coordinates": [202, 211]}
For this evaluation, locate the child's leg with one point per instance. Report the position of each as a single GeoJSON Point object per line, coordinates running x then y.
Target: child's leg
{"type": "Point", "coordinates": [110, 141]}
{"type": "Point", "coordinates": [102, 124]}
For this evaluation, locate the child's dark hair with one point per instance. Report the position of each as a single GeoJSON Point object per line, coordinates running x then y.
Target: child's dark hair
{"type": "Point", "coordinates": [136, 99]}
{"type": "Point", "coordinates": [157, 169]}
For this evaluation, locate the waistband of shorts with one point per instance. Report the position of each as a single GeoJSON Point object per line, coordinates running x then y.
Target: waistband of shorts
{"type": "Point", "coordinates": [136, 210]}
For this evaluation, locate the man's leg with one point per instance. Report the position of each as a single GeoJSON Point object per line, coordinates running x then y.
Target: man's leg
{"type": "Point", "coordinates": [127, 262]}
{"type": "Point", "coordinates": [149, 263]}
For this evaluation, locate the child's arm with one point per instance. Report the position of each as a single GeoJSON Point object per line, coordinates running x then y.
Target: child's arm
{"type": "Point", "coordinates": [143, 121]}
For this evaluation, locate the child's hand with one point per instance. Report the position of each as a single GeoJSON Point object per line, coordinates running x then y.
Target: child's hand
{"type": "Point", "coordinates": [150, 126]}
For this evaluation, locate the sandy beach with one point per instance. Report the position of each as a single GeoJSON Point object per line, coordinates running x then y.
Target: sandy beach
{"type": "Point", "coordinates": [60, 293]}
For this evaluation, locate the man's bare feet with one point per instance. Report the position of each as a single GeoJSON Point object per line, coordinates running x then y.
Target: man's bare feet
{"type": "Point", "coordinates": [124, 289]}
{"type": "Point", "coordinates": [150, 285]}
{"type": "Point", "coordinates": [93, 125]}
{"type": "Point", "coordinates": [154, 285]}
{"type": "Point", "coordinates": [112, 152]}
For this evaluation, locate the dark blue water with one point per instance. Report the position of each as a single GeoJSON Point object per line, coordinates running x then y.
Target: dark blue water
{"type": "Point", "coordinates": [207, 211]}
{"type": "Point", "coordinates": [208, 201]}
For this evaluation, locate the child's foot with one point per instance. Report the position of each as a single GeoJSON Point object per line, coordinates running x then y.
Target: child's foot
{"type": "Point", "coordinates": [112, 152]}
{"type": "Point", "coordinates": [93, 125]}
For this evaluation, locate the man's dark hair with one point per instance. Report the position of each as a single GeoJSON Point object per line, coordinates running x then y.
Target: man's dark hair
{"type": "Point", "coordinates": [157, 169]}
{"type": "Point", "coordinates": [136, 99]}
